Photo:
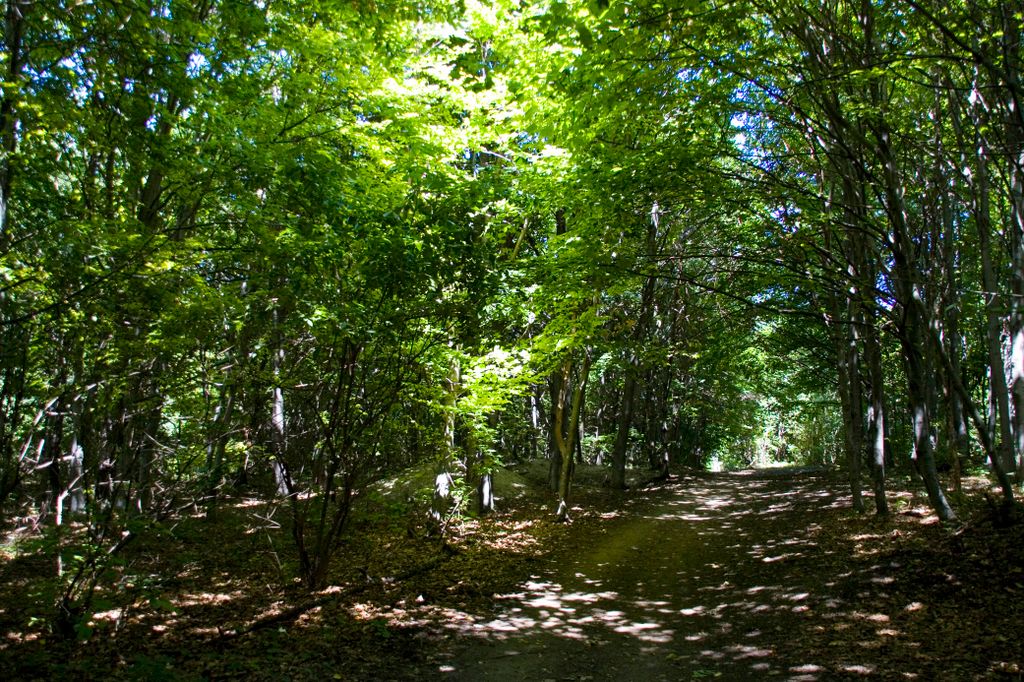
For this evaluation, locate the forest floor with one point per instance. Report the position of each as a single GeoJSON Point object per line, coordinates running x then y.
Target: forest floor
{"type": "Point", "coordinates": [705, 576]}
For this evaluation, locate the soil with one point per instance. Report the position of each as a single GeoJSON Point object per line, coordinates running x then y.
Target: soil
{"type": "Point", "coordinates": [753, 575]}
{"type": "Point", "coordinates": [739, 576]}
{"type": "Point", "coordinates": [707, 577]}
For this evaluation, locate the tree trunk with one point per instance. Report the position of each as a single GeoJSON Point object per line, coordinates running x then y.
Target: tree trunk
{"type": "Point", "coordinates": [876, 416]}
{"type": "Point", "coordinates": [485, 494]}
{"type": "Point", "coordinates": [637, 338]}
{"type": "Point", "coordinates": [555, 386]}
{"type": "Point", "coordinates": [216, 446]}
{"type": "Point", "coordinates": [959, 435]}
{"type": "Point", "coordinates": [620, 447]}
{"type": "Point", "coordinates": [912, 322]}
{"type": "Point", "coordinates": [853, 418]}
{"type": "Point", "coordinates": [565, 428]}
{"type": "Point", "coordinates": [997, 374]}
{"type": "Point", "coordinates": [442, 500]}
{"type": "Point", "coordinates": [917, 394]}
{"type": "Point", "coordinates": [1010, 44]}
{"type": "Point", "coordinates": [844, 332]}
{"type": "Point", "coordinates": [485, 477]}
{"type": "Point", "coordinates": [14, 28]}
{"type": "Point", "coordinates": [278, 421]}
{"type": "Point", "coordinates": [984, 434]}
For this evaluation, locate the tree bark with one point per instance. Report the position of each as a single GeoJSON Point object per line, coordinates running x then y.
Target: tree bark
{"type": "Point", "coordinates": [979, 424]}
{"type": "Point", "coordinates": [918, 398]}
{"type": "Point", "coordinates": [993, 326]}
{"type": "Point", "coordinates": [637, 338]}
{"type": "Point", "coordinates": [912, 323]}
{"type": "Point", "coordinates": [622, 428]}
{"type": "Point", "coordinates": [216, 445]}
{"type": "Point", "coordinates": [949, 310]}
{"type": "Point", "coordinates": [565, 428]}
{"type": "Point", "coordinates": [1010, 44]}
{"type": "Point", "coordinates": [278, 420]}
{"type": "Point", "coordinates": [849, 399]}
{"type": "Point", "coordinates": [14, 28]}
{"type": "Point", "coordinates": [876, 416]}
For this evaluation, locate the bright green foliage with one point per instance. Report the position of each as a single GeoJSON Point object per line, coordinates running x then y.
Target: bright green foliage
{"type": "Point", "coordinates": [295, 246]}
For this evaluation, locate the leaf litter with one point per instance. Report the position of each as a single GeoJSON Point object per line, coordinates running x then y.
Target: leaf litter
{"type": "Point", "coordinates": [817, 593]}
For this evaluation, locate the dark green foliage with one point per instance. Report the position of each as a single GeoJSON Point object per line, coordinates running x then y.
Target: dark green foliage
{"type": "Point", "coordinates": [289, 250]}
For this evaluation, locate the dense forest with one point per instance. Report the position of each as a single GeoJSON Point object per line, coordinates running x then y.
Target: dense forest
{"type": "Point", "coordinates": [289, 248]}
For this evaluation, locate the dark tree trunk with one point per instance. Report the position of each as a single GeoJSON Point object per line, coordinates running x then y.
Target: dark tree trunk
{"type": "Point", "coordinates": [566, 418]}
{"type": "Point", "coordinates": [1002, 424]}
{"type": "Point", "coordinates": [876, 417]}
{"type": "Point", "coordinates": [918, 394]}
{"type": "Point", "coordinates": [555, 385]}
{"type": "Point", "coordinates": [14, 29]}
{"type": "Point", "coordinates": [622, 428]}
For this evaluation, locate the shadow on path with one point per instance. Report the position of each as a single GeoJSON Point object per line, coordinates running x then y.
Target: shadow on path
{"type": "Point", "coordinates": [704, 578]}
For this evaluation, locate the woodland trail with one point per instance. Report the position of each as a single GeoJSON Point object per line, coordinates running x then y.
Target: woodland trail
{"type": "Point", "coordinates": [738, 576]}
{"type": "Point", "coordinates": [709, 577]}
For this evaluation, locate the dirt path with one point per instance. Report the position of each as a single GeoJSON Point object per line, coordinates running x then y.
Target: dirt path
{"type": "Point", "coordinates": [713, 576]}
{"type": "Point", "coordinates": [706, 578]}
{"type": "Point", "coordinates": [727, 577]}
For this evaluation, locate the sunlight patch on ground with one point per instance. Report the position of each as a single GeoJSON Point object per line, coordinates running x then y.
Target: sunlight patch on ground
{"type": "Point", "coordinates": [858, 669]}
{"type": "Point", "coordinates": [207, 598]}
{"type": "Point", "coordinates": [249, 502]}
{"type": "Point", "coordinates": [716, 502]}
{"type": "Point", "coordinates": [17, 638]}
{"type": "Point", "coordinates": [109, 616]}
{"type": "Point", "coordinates": [736, 652]}
{"type": "Point", "coordinates": [545, 606]}
{"type": "Point", "coordinates": [647, 632]}
{"type": "Point", "coordinates": [871, 617]}
{"type": "Point", "coordinates": [694, 606]}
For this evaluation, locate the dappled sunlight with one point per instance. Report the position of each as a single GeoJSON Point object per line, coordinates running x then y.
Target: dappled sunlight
{"type": "Point", "coordinates": [689, 603]}
{"type": "Point", "coordinates": [736, 652]}
{"type": "Point", "coordinates": [729, 577]}
{"type": "Point", "coordinates": [249, 503]}
{"type": "Point", "coordinates": [726, 576]}
{"type": "Point", "coordinates": [206, 598]}
{"type": "Point", "coordinates": [547, 606]}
